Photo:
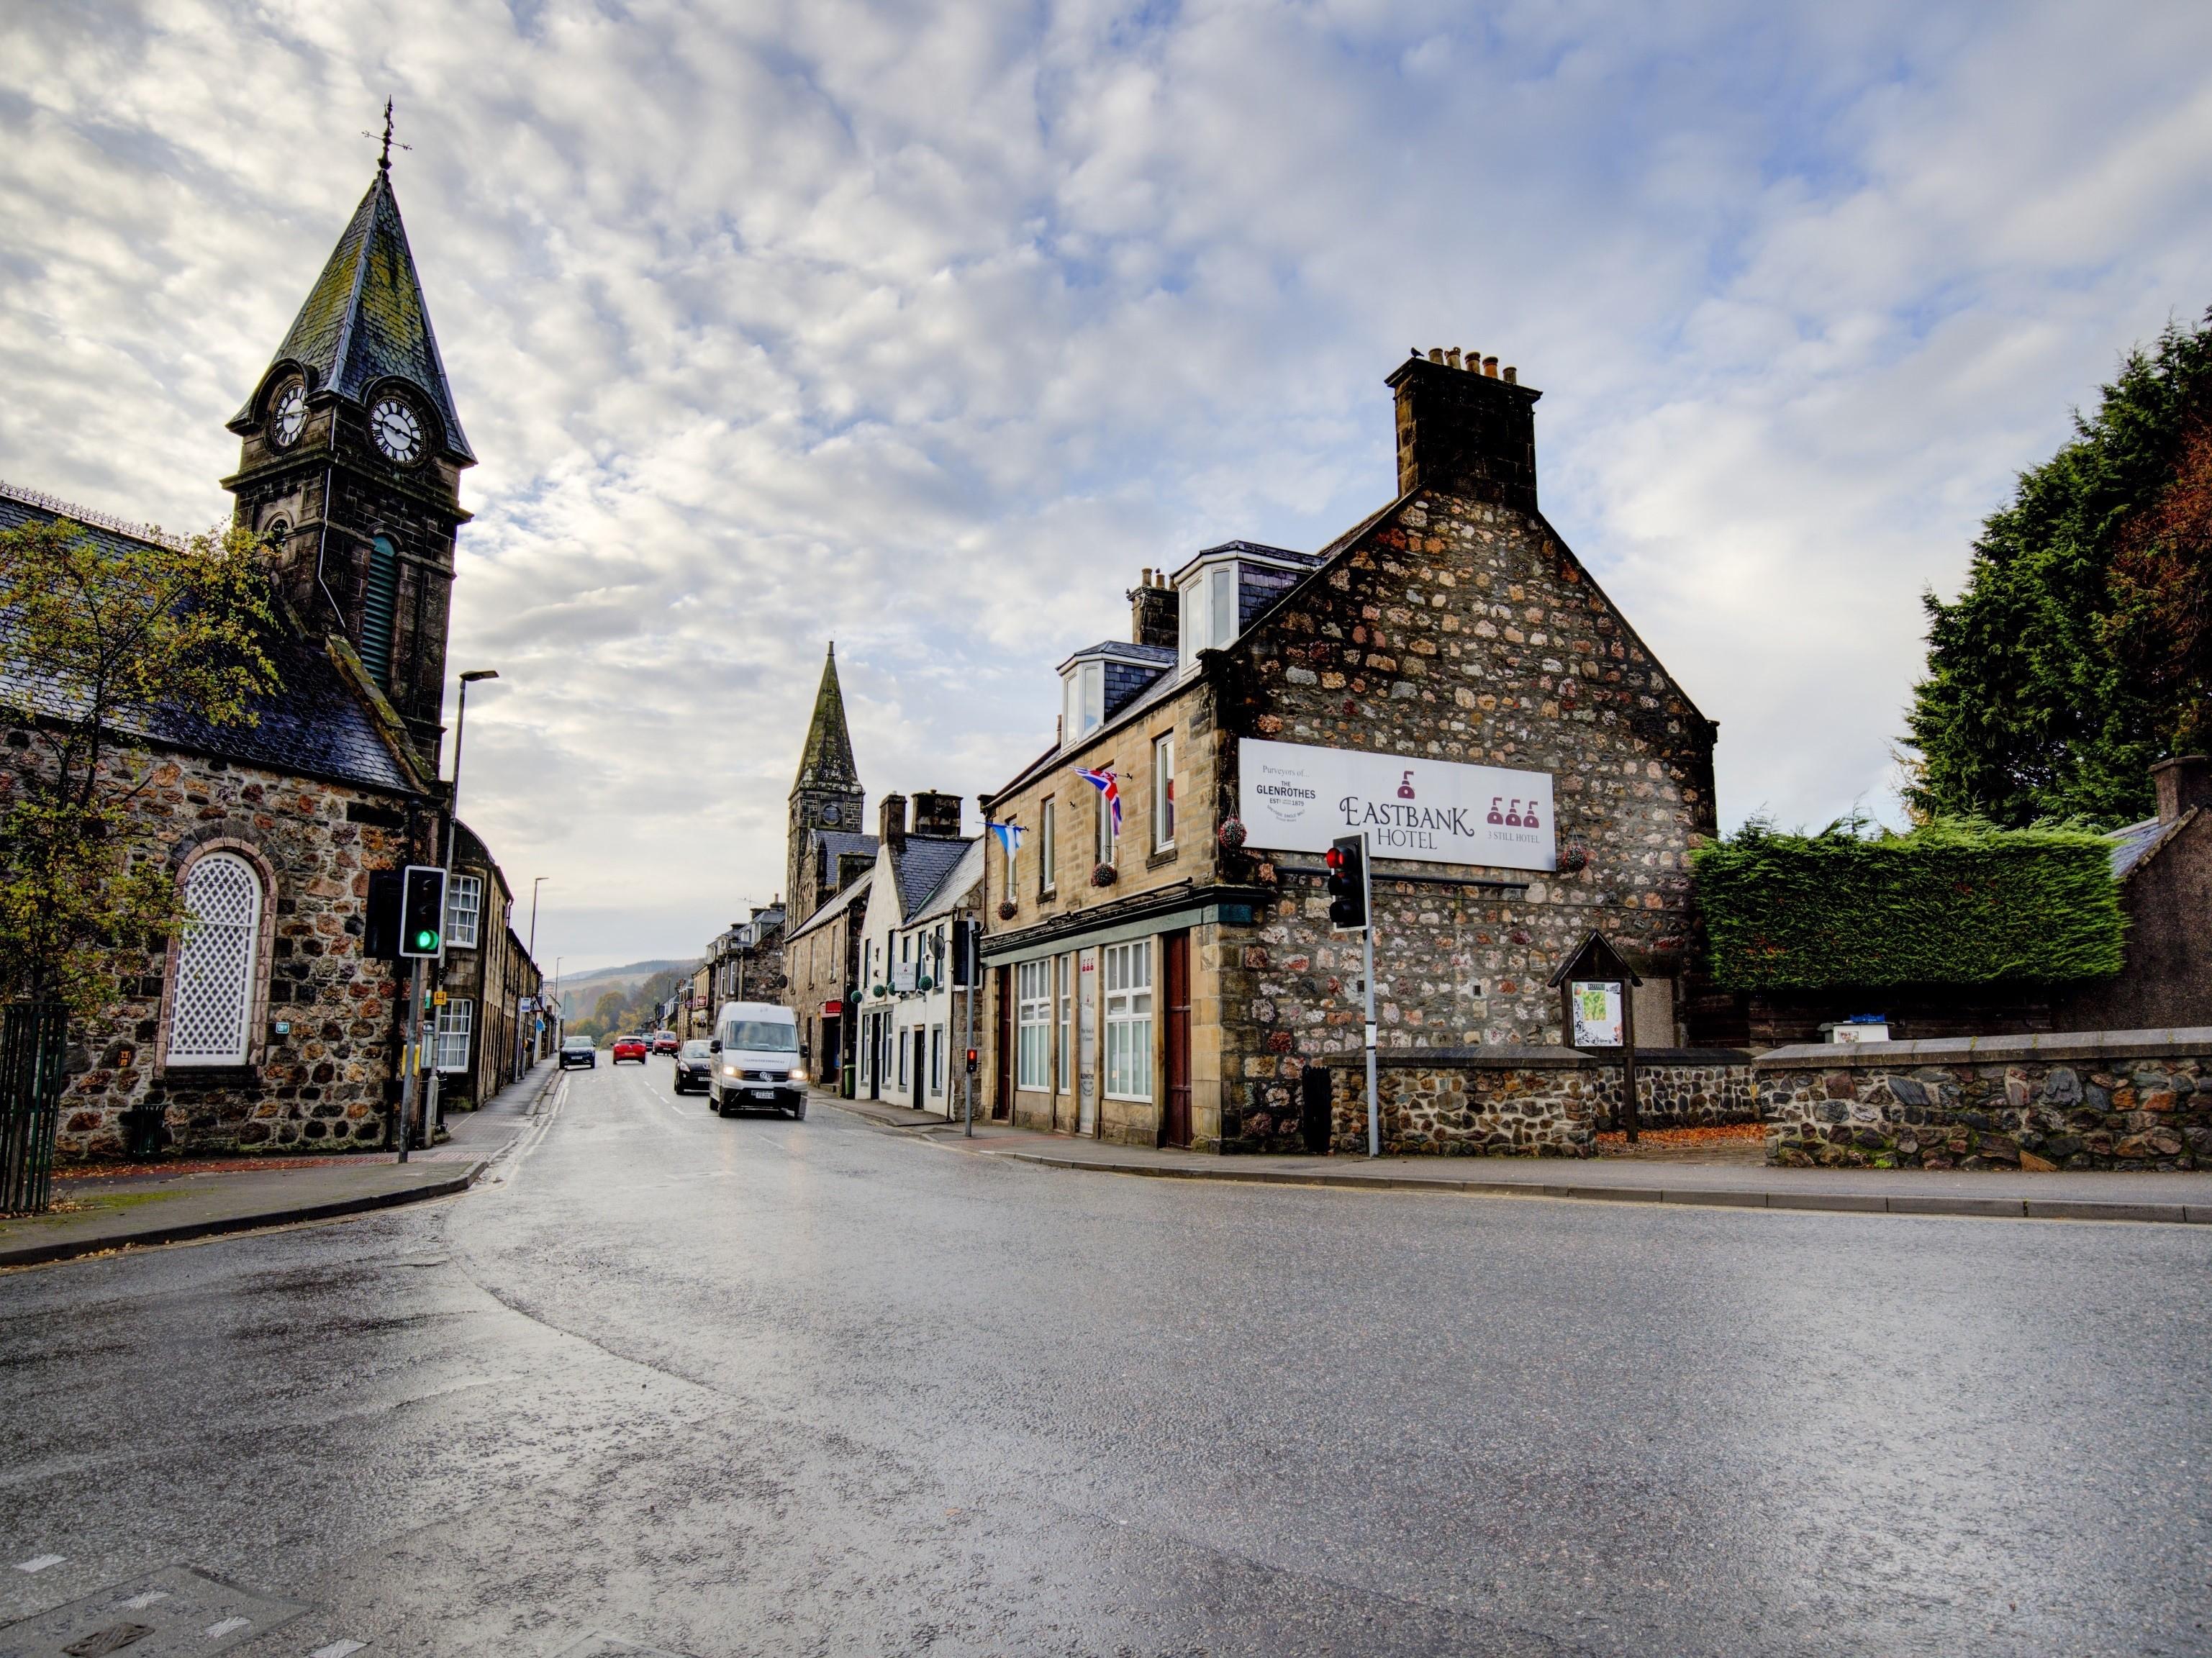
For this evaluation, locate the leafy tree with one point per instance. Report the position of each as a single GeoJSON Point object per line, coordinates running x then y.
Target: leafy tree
{"type": "Point", "coordinates": [2081, 649]}
{"type": "Point", "coordinates": [95, 636]}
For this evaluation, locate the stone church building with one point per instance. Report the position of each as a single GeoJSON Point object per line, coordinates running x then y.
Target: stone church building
{"type": "Point", "coordinates": [264, 1026]}
{"type": "Point", "coordinates": [1175, 980]}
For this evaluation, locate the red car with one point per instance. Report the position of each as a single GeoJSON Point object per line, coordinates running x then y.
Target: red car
{"type": "Point", "coordinates": [665, 1041]}
{"type": "Point", "coordinates": [630, 1048]}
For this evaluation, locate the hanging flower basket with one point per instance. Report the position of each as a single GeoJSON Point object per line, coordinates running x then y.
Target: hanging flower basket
{"type": "Point", "coordinates": [1232, 835]}
{"type": "Point", "coordinates": [1007, 910]}
{"type": "Point", "coordinates": [1103, 875]}
{"type": "Point", "coordinates": [1574, 858]}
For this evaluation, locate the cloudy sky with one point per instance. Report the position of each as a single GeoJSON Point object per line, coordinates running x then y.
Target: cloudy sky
{"type": "Point", "coordinates": [923, 328]}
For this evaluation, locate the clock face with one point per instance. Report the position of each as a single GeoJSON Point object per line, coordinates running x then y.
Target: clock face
{"type": "Point", "coordinates": [831, 815]}
{"type": "Point", "coordinates": [288, 416]}
{"type": "Point", "coordinates": [397, 431]}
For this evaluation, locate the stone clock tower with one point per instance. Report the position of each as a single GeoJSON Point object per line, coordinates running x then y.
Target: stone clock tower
{"type": "Point", "coordinates": [351, 460]}
{"type": "Point", "coordinates": [827, 797]}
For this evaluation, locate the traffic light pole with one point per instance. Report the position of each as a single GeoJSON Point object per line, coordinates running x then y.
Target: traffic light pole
{"type": "Point", "coordinates": [412, 1035]}
{"type": "Point", "coordinates": [1367, 980]}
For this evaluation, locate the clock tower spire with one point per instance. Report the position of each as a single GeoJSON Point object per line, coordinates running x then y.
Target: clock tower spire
{"type": "Point", "coordinates": [351, 459]}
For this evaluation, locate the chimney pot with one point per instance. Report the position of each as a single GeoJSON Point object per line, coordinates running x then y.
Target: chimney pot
{"type": "Point", "coordinates": [1513, 377]}
{"type": "Point", "coordinates": [1451, 358]}
{"type": "Point", "coordinates": [937, 815]}
{"type": "Point", "coordinates": [1435, 354]}
{"type": "Point", "coordinates": [2182, 782]}
{"type": "Point", "coordinates": [1490, 367]}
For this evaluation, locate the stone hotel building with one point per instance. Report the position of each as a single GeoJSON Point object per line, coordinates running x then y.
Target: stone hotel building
{"type": "Point", "coordinates": [1447, 675]}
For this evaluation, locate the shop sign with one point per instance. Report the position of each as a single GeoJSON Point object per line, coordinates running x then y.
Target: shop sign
{"type": "Point", "coordinates": [1297, 798]}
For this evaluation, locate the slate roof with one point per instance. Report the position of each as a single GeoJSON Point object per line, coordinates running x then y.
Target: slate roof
{"type": "Point", "coordinates": [921, 867]}
{"type": "Point", "coordinates": [844, 843]}
{"type": "Point", "coordinates": [365, 321]}
{"type": "Point", "coordinates": [826, 761]}
{"type": "Point", "coordinates": [835, 905]}
{"type": "Point", "coordinates": [2135, 844]}
{"type": "Point", "coordinates": [959, 881]}
{"type": "Point", "coordinates": [312, 726]}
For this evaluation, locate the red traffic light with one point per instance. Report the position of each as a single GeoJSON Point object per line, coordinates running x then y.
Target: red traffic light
{"type": "Point", "coordinates": [1336, 859]}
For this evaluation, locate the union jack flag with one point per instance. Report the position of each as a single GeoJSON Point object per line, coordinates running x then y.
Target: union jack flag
{"type": "Point", "coordinates": [1108, 785]}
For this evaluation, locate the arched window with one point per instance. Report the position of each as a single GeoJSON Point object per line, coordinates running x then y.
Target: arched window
{"type": "Point", "coordinates": [211, 1002]}
{"type": "Point", "coordinates": [379, 608]}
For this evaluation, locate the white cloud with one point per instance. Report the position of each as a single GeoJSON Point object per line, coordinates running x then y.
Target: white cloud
{"type": "Point", "coordinates": [923, 328]}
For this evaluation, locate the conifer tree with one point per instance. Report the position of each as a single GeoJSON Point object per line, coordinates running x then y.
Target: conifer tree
{"type": "Point", "coordinates": [2081, 648]}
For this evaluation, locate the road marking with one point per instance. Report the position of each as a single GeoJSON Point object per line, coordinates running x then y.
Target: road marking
{"type": "Point", "coordinates": [140, 1602]}
{"type": "Point", "coordinates": [338, 1650]}
{"type": "Point", "coordinates": [41, 1563]}
{"type": "Point", "coordinates": [229, 1626]}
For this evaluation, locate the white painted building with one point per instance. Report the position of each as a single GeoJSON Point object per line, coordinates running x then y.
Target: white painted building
{"type": "Point", "coordinates": [915, 1024]}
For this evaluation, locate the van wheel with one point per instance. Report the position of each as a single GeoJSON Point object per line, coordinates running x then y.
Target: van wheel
{"type": "Point", "coordinates": [798, 1112]}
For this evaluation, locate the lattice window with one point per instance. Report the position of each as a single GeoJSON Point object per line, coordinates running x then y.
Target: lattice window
{"type": "Point", "coordinates": [455, 1020]}
{"type": "Point", "coordinates": [211, 1002]}
{"type": "Point", "coordinates": [463, 903]}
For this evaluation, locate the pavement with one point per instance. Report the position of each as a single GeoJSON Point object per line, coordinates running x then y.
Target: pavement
{"type": "Point", "coordinates": [1655, 1176]}
{"type": "Point", "coordinates": [711, 1387]}
{"type": "Point", "coordinates": [136, 1207]}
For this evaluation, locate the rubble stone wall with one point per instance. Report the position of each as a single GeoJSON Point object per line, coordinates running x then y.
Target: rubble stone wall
{"type": "Point", "coordinates": [2128, 1099]}
{"type": "Point", "coordinates": [324, 1083]}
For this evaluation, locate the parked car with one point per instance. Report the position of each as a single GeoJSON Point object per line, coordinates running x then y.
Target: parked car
{"type": "Point", "coordinates": [758, 1066]}
{"type": "Point", "coordinates": [665, 1041]}
{"type": "Point", "coordinates": [695, 1067]}
{"type": "Point", "coordinates": [579, 1050]}
{"type": "Point", "coordinates": [630, 1047]}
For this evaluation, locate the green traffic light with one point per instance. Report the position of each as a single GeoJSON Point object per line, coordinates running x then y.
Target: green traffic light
{"type": "Point", "coordinates": [426, 940]}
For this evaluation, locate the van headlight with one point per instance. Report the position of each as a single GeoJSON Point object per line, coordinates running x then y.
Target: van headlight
{"type": "Point", "coordinates": [797, 1073]}
{"type": "Point", "coordinates": [732, 1071]}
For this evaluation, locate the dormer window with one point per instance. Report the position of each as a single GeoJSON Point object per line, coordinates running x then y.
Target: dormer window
{"type": "Point", "coordinates": [1209, 611]}
{"type": "Point", "coordinates": [1082, 709]}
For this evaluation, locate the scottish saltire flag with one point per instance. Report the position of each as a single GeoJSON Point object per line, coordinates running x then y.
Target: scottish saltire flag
{"type": "Point", "coordinates": [1108, 785]}
{"type": "Point", "coordinates": [1008, 835]}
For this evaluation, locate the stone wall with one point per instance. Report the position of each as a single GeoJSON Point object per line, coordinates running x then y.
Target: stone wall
{"type": "Point", "coordinates": [2127, 1099]}
{"type": "Point", "coordinates": [1684, 1088]}
{"type": "Point", "coordinates": [1499, 1101]}
{"type": "Point", "coordinates": [324, 1083]}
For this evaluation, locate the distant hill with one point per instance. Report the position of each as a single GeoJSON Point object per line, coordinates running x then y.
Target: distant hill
{"type": "Point", "coordinates": [582, 990]}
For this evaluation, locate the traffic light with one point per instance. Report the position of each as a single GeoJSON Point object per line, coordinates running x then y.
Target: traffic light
{"type": "Point", "coordinates": [966, 940]}
{"type": "Point", "coordinates": [1347, 883]}
{"type": "Point", "coordinates": [379, 940]}
{"type": "Point", "coordinates": [422, 912]}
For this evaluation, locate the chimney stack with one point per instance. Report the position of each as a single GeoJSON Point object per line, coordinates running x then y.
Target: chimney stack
{"type": "Point", "coordinates": [1152, 619]}
{"type": "Point", "coordinates": [2184, 781]}
{"type": "Point", "coordinates": [937, 815]}
{"type": "Point", "coordinates": [1466, 430]}
{"type": "Point", "coordinates": [894, 821]}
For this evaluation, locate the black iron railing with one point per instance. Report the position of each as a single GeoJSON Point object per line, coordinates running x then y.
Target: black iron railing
{"type": "Point", "coordinates": [33, 1052]}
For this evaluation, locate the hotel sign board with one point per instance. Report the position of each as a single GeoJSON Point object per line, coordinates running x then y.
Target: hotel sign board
{"type": "Point", "coordinates": [1296, 797]}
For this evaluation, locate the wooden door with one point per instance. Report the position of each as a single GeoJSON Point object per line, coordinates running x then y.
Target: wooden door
{"type": "Point", "coordinates": [1175, 973]}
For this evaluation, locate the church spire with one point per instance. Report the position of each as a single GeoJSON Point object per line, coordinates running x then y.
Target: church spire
{"type": "Point", "coordinates": [826, 763]}
{"type": "Point", "coordinates": [365, 323]}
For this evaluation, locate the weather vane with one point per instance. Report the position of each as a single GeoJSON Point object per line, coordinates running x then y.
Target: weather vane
{"type": "Point", "coordinates": [383, 162]}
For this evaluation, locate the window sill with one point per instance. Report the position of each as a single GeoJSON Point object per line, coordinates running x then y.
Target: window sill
{"type": "Point", "coordinates": [1165, 855]}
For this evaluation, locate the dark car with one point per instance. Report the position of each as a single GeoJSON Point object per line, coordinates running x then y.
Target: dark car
{"type": "Point", "coordinates": [579, 1050]}
{"type": "Point", "coordinates": [630, 1047]}
{"type": "Point", "coordinates": [694, 1066]}
{"type": "Point", "coordinates": [665, 1041]}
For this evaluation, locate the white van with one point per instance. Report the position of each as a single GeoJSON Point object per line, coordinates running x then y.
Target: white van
{"type": "Point", "coordinates": [757, 1064]}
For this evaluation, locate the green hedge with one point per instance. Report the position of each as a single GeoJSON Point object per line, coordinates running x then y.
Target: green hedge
{"type": "Point", "coordinates": [1952, 904]}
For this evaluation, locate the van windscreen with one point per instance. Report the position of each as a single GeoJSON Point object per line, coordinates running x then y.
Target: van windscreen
{"type": "Point", "coordinates": [760, 1036]}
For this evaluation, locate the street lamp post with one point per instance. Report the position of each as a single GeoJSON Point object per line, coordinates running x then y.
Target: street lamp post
{"type": "Point", "coordinates": [433, 1110]}
{"type": "Point", "coordinates": [523, 1044]}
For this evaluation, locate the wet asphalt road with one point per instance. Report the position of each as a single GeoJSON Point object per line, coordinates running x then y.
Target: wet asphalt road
{"type": "Point", "coordinates": [766, 1387]}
